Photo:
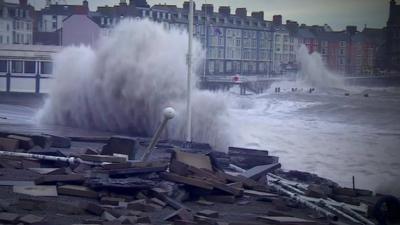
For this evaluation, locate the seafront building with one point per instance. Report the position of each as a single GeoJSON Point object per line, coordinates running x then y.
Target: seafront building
{"type": "Point", "coordinates": [16, 23]}
{"type": "Point", "coordinates": [237, 42]}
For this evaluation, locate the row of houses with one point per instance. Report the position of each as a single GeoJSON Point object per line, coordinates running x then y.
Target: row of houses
{"type": "Point", "coordinates": [235, 42]}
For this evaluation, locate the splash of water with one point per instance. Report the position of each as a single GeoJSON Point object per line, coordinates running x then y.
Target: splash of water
{"type": "Point", "coordinates": [314, 72]}
{"type": "Point", "coordinates": [123, 83]}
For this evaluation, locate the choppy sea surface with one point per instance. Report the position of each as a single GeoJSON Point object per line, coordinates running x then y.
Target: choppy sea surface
{"type": "Point", "coordinates": [324, 132]}
{"type": "Point", "coordinates": [327, 133]}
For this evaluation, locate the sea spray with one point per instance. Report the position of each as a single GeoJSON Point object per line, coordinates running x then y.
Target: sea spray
{"type": "Point", "coordinates": [124, 81]}
{"type": "Point", "coordinates": [314, 72]}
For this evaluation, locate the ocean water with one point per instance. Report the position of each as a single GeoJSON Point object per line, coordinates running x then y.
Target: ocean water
{"type": "Point", "coordinates": [326, 132]}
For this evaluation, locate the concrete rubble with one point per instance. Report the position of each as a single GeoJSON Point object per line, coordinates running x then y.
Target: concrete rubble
{"type": "Point", "coordinates": [104, 182]}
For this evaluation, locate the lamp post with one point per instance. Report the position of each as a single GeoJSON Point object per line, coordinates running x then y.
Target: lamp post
{"type": "Point", "coordinates": [189, 78]}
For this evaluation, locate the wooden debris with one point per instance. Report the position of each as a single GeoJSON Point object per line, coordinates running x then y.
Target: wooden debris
{"type": "Point", "coordinates": [186, 180]}
{"type": "Point", "coordinates": [24, 142]}
{"type": "Point", "coordinates": [8, 217]}
{"type": "Point", "coordinates": [16, 183]}
{"type": "Point", "coordinates": [258, 171]}
{"type": "Point", "coordinates": [196, 160]}
{"type": "Point", "coordinates": [208, 213]}
{"type": "Point", "coordinates": [102, 158]}
{"type": "Point", "coordinates": [92, 208]}
{"type": "Point", "coordinates": [74, 190]}
{"type": "Point", "coordinates": [285, 220]}
{"type": "Point", "coordinates": [181, 214]}
{"type": "Point", "coordinates": [36, 190]}
{"type": "Point", "coordinates": [31, 219]}
{"type": "Point", "coordinates": [8, 144]}
{"type": "Point", "coordinates": [53, 179]}
{"type": "Point", "coordinates": [120, 145]}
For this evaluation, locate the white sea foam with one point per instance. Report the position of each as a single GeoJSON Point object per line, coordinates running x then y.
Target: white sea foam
{"type": "Point", "coordinates": [123, 83]}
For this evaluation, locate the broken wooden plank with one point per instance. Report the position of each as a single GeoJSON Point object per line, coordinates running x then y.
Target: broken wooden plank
{"type": "Point", "coordinates": [132, 171]}
{"type": "Point", "coordinates": [52, 179]}
{"type": "Point", "coordinates": [74, 190]}
{"type": "Point", "coordinates": [121, 145]}
{"type": "Point", "coordinates": [258, 171]}
{"type": "Point", "coordinates": [36, 190]}
{"type": "Point", "coordinates": [31, 219]}
{"type": "Point", "coordinates": [16, 183]}
{"type": "Point", "coordinates": [24, 142]}
{"type": "Point", "coordinates": [8, 144]}
{"type": "Point", "coordinates": [186, 180]}
{"type": "Point", "coordinates": [259, 193]}
{"type": "Point", "coordinates": [285, 220]}
{"type": "Point", "coordinates": [196, 160]}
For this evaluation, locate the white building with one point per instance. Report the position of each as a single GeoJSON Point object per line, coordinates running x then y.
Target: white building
{"type": "Point", "coordinates": [284, 49]}
{"type": "Point", "coordinates": [16, 23]}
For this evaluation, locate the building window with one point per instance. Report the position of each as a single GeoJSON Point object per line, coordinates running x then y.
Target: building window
{"type": "Point", "coordinates": [342, 44]}
{"type": "Point", "coordinates": [3, 66]}
{"type": "Point", "coordinates": [46, 67]}
{"type": "Point", "coordinates": [54, 25]}
{"type": "Point", "coordinates": [16, 66]}
{"type": "Point", "coordinates": [30, 66]}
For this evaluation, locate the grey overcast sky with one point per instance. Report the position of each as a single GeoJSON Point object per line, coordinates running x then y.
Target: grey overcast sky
{"type": "Point", "coordinates": [337, 13]}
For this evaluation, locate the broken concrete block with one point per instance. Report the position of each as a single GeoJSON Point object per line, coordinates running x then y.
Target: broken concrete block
{"type": "Point", "coordinates": [8, 144]}
{"type": "Point", "coordinates": [24, 142]}
{"type": "Point", "coordinates": [8, 217]}
{"type": "Point", "coordinates": [285, 220]}
{"type": "Point", "coordinates": [120, 145]}
{"type": "Point", "coordinates": [36, 190]}
{"type": "Point", "coordinates": [74, 190]}
{"type": "Point", "coordinates": [53, 179]}
{"type": "Point", "coordinates": [31, 219]}
{"type": "Point", "coordinates": [208, 213]}
{"type": "Point", "coordinates": [256, 172]}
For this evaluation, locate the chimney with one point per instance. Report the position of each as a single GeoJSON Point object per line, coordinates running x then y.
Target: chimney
{"type": "Point", "coordinates": [139, 3]}
{"type": "Point", "coordinates": [351, 30]}
{"type": "Point", "coordinates": [258, 15]}
{"type": "Point", "coordinates": [186, 6]}
{"type": "Point", "coordinates": [292, 26]}
{"type": "Point", "coordinates": [277, 20]}
{"type": "Point", "coordinates": [207, 8]}
{"type": "Point", "coordinates": [224, 10]}
{"type": "Point", "coordinates": [23, 2]}
{"type": "Point", "coordinates": [85, 4]}
{"type": "Point", "coordinates": [241, 12]}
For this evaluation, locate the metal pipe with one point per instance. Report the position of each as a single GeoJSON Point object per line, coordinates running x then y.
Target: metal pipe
{"type": "Point", "coordinates": [299, 199]}
{"type": "Point", "coordinates": [69, 160]}
{"type": "Point", "coordinates": [168, 114]}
